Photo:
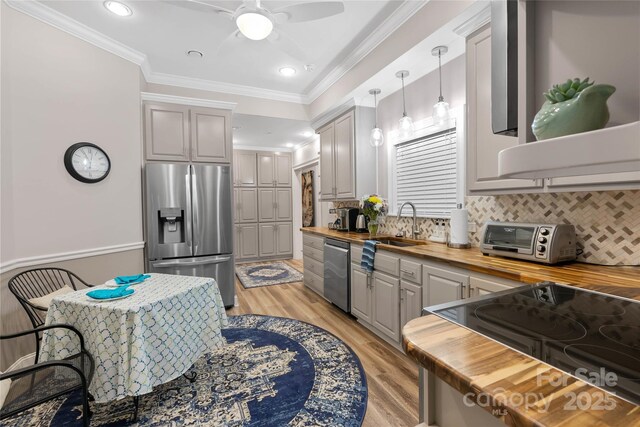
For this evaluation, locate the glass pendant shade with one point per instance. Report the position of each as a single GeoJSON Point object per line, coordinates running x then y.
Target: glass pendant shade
{"type": "Point", "coordinates": [377, 137]}
{"type": "Point", "coordinates": [405, 127]}
{"type": "Point", "coordinates": [440, 112]}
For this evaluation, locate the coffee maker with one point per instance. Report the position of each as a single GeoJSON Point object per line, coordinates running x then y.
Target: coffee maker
{"type": "Point", "coordinates": [346, 219]}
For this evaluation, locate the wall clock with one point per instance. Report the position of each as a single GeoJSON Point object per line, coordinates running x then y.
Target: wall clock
{"type": "Point", "coordinates": [87, 162]}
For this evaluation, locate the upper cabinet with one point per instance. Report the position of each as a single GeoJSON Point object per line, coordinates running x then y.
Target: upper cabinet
{"type": "Point", "coordinates": [180, 133]}
{"type": "Point", "coordinates": [274, 169]}
{"type": "Point", "coordinates": [347, 161]}
{"type": "Point", "coordinates": [483, 145]}
{"type": "Point", "coordinates": [245, 172]}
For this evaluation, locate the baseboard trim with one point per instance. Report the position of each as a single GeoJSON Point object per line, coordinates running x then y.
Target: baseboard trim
{"type": "Point", "coordinates": [66, 256]}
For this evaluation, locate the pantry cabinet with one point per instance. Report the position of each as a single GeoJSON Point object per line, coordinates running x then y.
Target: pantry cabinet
{"type": "Point", "coordinates": [346, 158]}
{"type": "Point", "coordinates": [179, 133]}
{"type": "Point", "coordinates": [246, 201]}
{"type": "Point", "coordinates": [246, 241]}
{"type": "Point", "coordinates": [245, 172]}
{"type": "Point", "coordinates": [274, 169]}
{"type": "Point", "coordinates": [275, 204]}
{"type": "Point", "coordinates": [275, 239]}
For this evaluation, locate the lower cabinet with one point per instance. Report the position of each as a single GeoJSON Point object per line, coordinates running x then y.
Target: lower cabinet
{"type": "Point", "coordinates": [410, 301]}
{"type": "Point", "coordinates": [479, 286]}
{"type": "Point", "coordinates": [246, 241]}
{"type": "Point", "coordinates": [360, 294]}
{"type": "Point", "coordinates": [442, 285]}
{"type": "Point", "coordinates": [386, 305]}
{"type": "Point", "coordinates": [275, 239]}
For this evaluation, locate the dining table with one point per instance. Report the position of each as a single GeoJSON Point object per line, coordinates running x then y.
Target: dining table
{"type": "Point", "coordinates": [146, 339]}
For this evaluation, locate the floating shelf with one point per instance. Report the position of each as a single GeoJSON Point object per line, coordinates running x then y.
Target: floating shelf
{"type": "Point", "coordinates": [608, 150]}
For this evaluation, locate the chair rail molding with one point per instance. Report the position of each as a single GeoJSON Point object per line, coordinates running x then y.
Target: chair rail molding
{"type": "Point", "coordinates": [66, 256]}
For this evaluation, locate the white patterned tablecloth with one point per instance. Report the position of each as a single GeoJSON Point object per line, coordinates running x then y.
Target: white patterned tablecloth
{"type": "Point", "coordinates": [141, 341]}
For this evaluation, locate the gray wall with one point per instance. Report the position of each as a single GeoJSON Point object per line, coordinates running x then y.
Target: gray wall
{"type": "Point", "coordinates": [58, 90]}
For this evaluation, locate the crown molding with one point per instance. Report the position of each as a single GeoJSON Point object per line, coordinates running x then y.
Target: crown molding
{"type": "Point", "coordinates": [231, 88]}
{"type": "Point", "coordinates": [399, 16]}
{"type": "Point", "coordinates": [43, 13]}
{"type": "Point", "coordinates": [258, 148]}
{"type": "Point", "coordinates": [62, 22]}
{"type": "Point", "coordinates": [479, 19]}
{"type": "Point", "coordinates": [183, 100]}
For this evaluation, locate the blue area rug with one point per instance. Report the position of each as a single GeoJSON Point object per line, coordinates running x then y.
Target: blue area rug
{"type": "Point", "coordinates": [273, 372]}
{"type": "Point", "coordinates": [267, 274]}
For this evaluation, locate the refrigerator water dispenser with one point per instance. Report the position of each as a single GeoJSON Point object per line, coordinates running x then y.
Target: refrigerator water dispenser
{"type": "Point", "coordinates": [171, 225]}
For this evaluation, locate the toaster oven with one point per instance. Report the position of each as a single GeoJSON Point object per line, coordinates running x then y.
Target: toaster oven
{"type": "Point", "coordinates": [546, 243]}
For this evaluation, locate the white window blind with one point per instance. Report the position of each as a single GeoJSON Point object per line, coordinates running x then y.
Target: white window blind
{"type": "Point", "coordinates": [426, 173]}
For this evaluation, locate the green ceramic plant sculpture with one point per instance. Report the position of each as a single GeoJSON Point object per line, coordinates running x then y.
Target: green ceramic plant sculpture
{"type": "Point", "coordinates": [572, 107]}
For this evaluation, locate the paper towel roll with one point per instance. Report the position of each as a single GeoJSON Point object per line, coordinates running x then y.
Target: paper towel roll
{"type": "Point", "coordinates": [459, 226]}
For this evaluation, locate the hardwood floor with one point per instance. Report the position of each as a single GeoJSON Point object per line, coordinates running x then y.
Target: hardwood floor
{"type": "Point", "coordinates": [392, 378]}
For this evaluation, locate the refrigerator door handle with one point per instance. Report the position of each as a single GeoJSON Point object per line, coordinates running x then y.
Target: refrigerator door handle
{"type": "Point", "coordinates": [189, 213]}
{"type": "Point", "coordinates": [196, 209]}
{"type": "Point", "coordinates": [191, 262]}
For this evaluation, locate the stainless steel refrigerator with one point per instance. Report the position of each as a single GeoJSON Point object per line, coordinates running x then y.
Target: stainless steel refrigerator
{"type": "Point", "coordinates": [189, 222]}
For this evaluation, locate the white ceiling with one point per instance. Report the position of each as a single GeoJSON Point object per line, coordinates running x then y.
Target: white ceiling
{"type": "Point", "coordinates": [251, 131]}
{"type": "Point", "coordinates": [165, 30]}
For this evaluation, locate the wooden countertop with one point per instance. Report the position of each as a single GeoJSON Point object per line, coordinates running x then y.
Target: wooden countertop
{"type": "Point", "coordinates": [621, 281]}
{"type": "Point", "coordinates": [472, 363]}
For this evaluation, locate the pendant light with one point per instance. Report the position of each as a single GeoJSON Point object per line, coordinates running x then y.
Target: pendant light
{"type": "Point", "coordinates": [441, 108]}
{"type": "Point", "coordinates": [405, 124]}
{"type": "Point", "coordinates": [377, 137]}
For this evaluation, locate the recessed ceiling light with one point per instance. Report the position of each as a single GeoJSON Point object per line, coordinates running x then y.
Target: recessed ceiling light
{"type": "Point", "coordinates": [118, 8]}
{"type": "Point", "coordinates": [289, 144]}
{"type": "Point", "coordinates": [287, 71]}
{"type": "Point", "coordinates": [307, 134]}
{"type": "Point", "coordinates": [195, 54]}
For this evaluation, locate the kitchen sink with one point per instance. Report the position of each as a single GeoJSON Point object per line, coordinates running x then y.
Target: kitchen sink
{"type": "Point", "coordinates": [397, 241]}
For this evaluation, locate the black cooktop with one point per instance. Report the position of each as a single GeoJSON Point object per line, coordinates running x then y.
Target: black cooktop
{"type": "Point", "coordinates": [593, 336]}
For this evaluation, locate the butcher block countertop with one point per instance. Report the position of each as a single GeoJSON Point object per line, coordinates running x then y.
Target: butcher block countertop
{"type": "Point", "coordinates": [473, 363]}
{"type": "Point", "coordinates": [621, 281]}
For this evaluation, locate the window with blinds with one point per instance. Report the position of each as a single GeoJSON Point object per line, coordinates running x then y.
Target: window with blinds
{"type": "Point", "coordinates": [426, 174]}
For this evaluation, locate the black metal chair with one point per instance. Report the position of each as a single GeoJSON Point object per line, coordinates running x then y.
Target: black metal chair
{"type": "Point", "coordinates": [36, 283]}
{"type": "Point", "coordinates": [48, 380]}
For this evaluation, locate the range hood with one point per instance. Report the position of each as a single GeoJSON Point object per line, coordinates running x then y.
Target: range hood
{"type": "Point", "coordinates": [610, 150]}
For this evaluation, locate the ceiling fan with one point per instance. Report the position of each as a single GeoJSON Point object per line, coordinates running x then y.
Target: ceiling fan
{"type": "Point", "coordinates": [256, 22]}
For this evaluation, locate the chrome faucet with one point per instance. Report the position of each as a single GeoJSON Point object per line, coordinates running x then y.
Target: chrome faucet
{"type": "Point", "coordinates": [414, 230]}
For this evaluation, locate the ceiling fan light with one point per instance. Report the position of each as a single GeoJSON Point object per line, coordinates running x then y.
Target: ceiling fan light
{"type": "Point", "coordinates": [440, 112]}
{"type": "Point", "coordinates": [377, 137]}
{"type": "Point", "coordinates": [254, 26]}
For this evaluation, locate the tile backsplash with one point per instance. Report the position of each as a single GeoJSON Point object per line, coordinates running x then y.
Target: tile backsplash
{"type": "Point", "coordinates": [607, 222]}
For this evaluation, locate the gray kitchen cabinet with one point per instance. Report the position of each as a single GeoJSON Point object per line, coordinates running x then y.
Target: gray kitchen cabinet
{"type": "Point", "coordinates": [274, 169]}
{"type": "Point", "coordinates": [267, 239]}
{"type": "Point", "coordinates": [246, 200]}
{"type": "Point", "coordinates": [166, 132]}
{"type": "Point", "coordinates": [275, 239]}
{"type": "Point", "coordinates": [181, 133]}
{"type": "Point", "coordinates": [210, 135]}
{"type": "Point", "coordinates": [360, 294]}
{"type": "Point", "coordinates": [245, 172]}
{"type": "Point", "coordinates": [608, 181]}
{"type": "Point", "coordinates": [284, 204]}
{"type": "Point", "coordinates": [386, 305]}
{"type": "Point", "coordinates": [483, 145]}
{"type": "Point", "coordinates": [284, 239]}
{"type": "Point", "coordinates": [274, 204]}
{"type": "Point", "coordinates": [246, 241]}
{"type": "Point", "coordinates": [327, 178]}
{"type": "Point", "coordinates": [479, 286]}
{"type": "Point", "coordinates": [313, 259]}
{"type": "Point", "coordinates": [410, 301]}
{"type": "Point", "coordinates": [346, 158]}
{"type": "Point", "coordinates": [442, 285]}
{"type": "Point", "coordinates": [267, 204]}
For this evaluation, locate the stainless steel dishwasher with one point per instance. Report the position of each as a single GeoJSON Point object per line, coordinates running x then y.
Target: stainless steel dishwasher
{"type": "Point", "coordinates": [337, 288]}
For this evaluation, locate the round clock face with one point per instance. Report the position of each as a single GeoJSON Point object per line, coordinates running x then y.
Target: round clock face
{"type": "Point", "coordinates": [87, 162]}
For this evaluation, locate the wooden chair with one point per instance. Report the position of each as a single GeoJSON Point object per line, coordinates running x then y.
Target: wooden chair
{"type": "Point", "coordinates": [37, 283]}
{"type": "Point", "coordinates": [48, 380]}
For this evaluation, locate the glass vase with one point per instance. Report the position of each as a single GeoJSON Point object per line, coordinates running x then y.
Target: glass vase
{"type": "Point", "coordinates": [373, 228]}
